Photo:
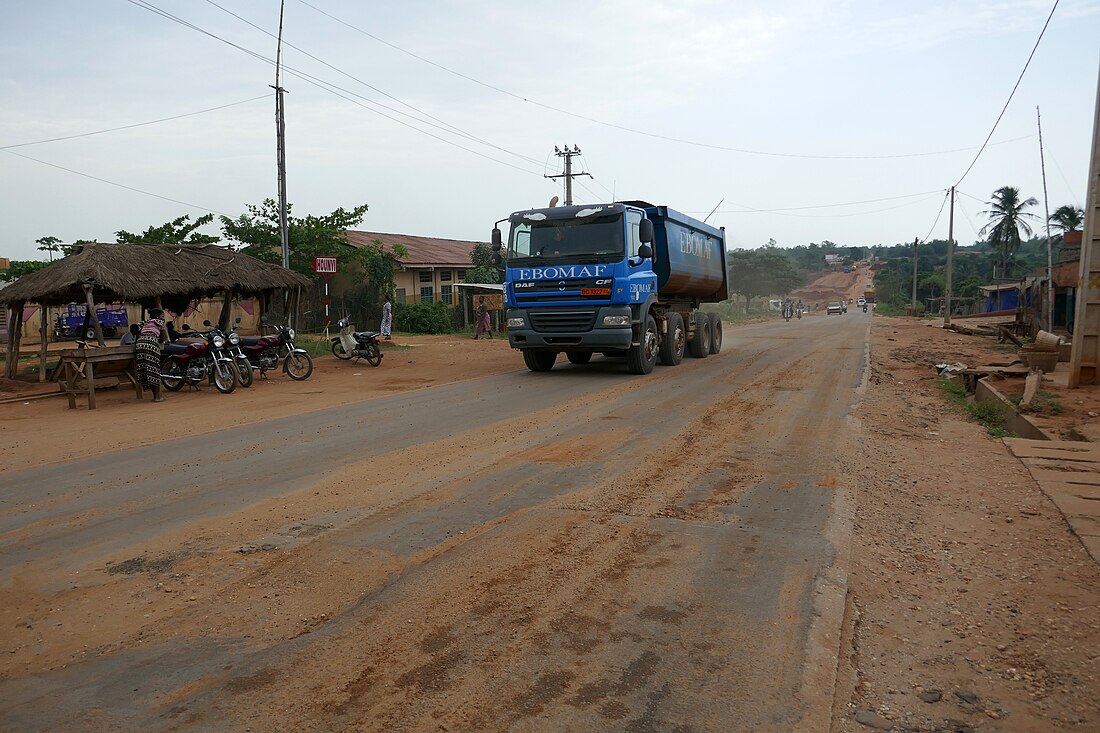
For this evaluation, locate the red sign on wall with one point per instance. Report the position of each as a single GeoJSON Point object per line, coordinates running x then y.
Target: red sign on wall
{"type": "Point", "coordinates": [326, 265]}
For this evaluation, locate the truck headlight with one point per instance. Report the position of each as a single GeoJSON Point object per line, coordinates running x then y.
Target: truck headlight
{"type": "Point", "coordinates": [516, 323]}
{"type": "Point", "coordinates": [616, 320]}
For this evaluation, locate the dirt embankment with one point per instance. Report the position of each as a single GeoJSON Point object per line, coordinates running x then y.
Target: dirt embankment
{"type": "Point", "coordinates": [832, 286]}
{"type": "Point", "coordinates": [972, 606]}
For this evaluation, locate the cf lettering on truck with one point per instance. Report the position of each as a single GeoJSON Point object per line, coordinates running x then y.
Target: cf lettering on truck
{"type": "Point", "coordinates": [625, 279]}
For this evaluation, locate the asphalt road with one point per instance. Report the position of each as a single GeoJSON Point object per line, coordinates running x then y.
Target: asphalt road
{"type": "Point", "coordinates": [580, 550]}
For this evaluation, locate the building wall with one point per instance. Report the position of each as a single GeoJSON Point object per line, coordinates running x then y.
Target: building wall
{"type": "Point", "coordinates": [428, 284]}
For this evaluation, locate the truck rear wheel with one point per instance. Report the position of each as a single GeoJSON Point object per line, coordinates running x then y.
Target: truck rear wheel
{"type": "Point", "coordinates": [642, 358]}
{"type": "Point", "coordinates": [672, 348]}
{"type": "Point", "coordinates": [539, 361]}
{"type": "Point", "coordinates": [578, 357]}
{"type": "Point", "coordinates": [700, 343]}
{"type": "Point", "coordinates": [715, 332]}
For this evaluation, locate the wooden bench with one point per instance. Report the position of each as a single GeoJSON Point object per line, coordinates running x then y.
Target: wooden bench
{"type": "Point", "coordinates": [82, 371]}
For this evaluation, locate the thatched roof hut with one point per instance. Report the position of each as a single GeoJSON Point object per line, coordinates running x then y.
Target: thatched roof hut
{"type": "Point", "coordinates": [141, 273]}
{"type": "Point", "coordinates": [150, 274]}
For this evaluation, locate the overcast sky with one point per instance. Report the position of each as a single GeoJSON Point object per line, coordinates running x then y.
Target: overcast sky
{"type": "Point", "coordinates": [813, 95]}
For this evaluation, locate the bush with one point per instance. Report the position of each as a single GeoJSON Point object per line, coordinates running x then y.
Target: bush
{"type": "Point", "coordinates": [423, 317]}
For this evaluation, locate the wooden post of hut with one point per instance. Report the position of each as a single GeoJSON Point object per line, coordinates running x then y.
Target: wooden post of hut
{"type": "Point", "coordinates": [43, 340]}
{"type": "Point", "coordinates": [15, 333]}
{"type": "Point", "coordinates": [91, 312]}
{"type": "Point", "coordinates": [227, 305]}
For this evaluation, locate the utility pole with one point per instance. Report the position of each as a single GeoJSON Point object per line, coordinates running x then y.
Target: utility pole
{"type": "Point", "coordinates": [1046, 218]}
{"type": "Point", "coordinates": [1085, 353]}
{"type": "Point", "coordinates": [568, 175]}
{"type": "Point", "coordinates": [280, 142]}
{"type": "Point", "coordinates": [913, 305]}
{"type": "Point", "coordinates": [950, 261]}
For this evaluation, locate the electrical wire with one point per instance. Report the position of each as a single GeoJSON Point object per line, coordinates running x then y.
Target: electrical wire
{"type": "Point", "coordinates": [938, 215]}
{"type": "Point", "coordinates": [119, 185]}
{"type": "Point", "coordinates": [1010, 95]}
{"type": "Point", "coordinates": [1069, 187]}
{"type": "Point", "coordinates": [445, 125]}
{"type": "Point", "coordinates": [817, 206]}
{"type": "Point", "coordinates": [966, 215]}
{"type": "Point", "coordinates": [320, 83]}
{"type": "Point", "coordinates": [136, 124]}
{"type": "Point", "coordinates": [636, 131]}
{"type": "Point", "coordinates": [855, 213]}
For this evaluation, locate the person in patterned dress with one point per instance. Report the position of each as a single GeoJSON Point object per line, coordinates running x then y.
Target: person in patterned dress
{"type": "Point", "coordinates": [153, 336]}
{"type": "Point", "coordinates": [387, 319]}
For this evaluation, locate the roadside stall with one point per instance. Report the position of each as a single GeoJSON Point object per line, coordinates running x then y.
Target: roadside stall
{"type": "Point", "coordinates": [152, 275]}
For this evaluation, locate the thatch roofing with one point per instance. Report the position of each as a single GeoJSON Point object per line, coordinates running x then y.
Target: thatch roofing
{"type": "Point", "coordinates": [135, 273]}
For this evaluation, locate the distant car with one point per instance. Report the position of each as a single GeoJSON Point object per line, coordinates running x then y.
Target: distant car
{"type": "Point", "coordinates": [861, 300]}
{"type": "Point", "coordinates": [835, 307]}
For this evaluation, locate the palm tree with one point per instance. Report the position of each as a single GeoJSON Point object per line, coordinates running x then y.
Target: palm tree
{"type": "Point", "coordinates": [1068, 218]}
{"type": "Point", "coordinates": [1007, 218]}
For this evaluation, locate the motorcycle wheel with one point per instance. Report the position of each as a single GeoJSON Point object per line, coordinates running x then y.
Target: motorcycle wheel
{"type": "Point", "coordinates": [374, 355]}
{"type": "Point", "coordinates": [298, 366]}
{"type": "Point", "coordinates": [339, 352]}
{"type": "Point", "coordinates": [224, 377]}
{"type": "Point", "coordinates": [244, 371]}
{"type": "Point", "coordinates": [174, 382]}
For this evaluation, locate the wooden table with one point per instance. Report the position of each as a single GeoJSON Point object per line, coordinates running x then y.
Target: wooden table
{"type": "Point", "coordinates": [80, 371]}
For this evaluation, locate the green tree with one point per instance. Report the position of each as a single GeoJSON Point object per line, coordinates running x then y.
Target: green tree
{"type": "Point", "coordinates": [1067, 218]}
{"type": "Point", "coordinates": [316, 236]}
{"type": "Point", "coordinates": [760, 272]}
{"type": "Point", "coordinates": [483, 271]}
{"type": "Point", "coordinates": [49, 244]}
{"type": "Point", "coordinates": [1007, 218]}
{"type": "Point", "coordinates": [178, 231]}
{"type": "Point", "coordinates": [19, 268]}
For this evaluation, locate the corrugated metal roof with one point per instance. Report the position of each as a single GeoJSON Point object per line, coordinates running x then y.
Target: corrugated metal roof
{"type": "Point", "coordinates": [423, 251]}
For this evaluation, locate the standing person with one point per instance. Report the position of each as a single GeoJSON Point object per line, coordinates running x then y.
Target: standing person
{"type": "Point", "coordinates": [387, 319]}
{"type": "Point", "coordinates": [482, 322]}
{"type": "Point", "coordinates": [153, 336]}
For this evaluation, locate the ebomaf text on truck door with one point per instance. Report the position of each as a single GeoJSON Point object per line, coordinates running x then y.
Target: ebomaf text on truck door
{"type": "Point", "coordinates": [624, 279]}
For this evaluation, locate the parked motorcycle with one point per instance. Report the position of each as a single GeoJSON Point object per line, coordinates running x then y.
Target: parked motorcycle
{"type": "Point", "coordinates": [203, 358]}
{"type": "Point", "coordinates": [264, 353]}
{"type": "Point", "coordinates": [352, 344]}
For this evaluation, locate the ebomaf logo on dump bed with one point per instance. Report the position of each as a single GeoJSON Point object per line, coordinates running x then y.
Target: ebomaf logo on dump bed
{"type": "Point", "coordinates": [560, 273]}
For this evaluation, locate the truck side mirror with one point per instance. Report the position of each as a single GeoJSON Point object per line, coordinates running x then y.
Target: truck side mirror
{"type": "Point", "coordinates": [645, 252]}
{"type": "Point", "coordinates": [645, 233]}
{"type": "Point", "coordinates": [496, 239]}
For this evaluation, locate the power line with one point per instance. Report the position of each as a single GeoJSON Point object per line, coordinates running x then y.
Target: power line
{"type": "Point", "coordinates": [938, 215]}
{"type": "Point", "coordinates": [1011, 94]}
{"type": "Point", "coordinates": [446, 125]}
{"type": "Point", "coordinates": [636, 131]}
{"type": "Point", "coordinates": [320, 83]}
{"type": "Point", "coordinates": [822, 206]}
{"type": "Point", "coordinates": [119, 185]}
{"type": "Point", "coordinates": [136, 124]}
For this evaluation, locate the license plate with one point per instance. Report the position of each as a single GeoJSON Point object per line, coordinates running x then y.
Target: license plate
{"type": "Point", "coordinates": [595, 291]}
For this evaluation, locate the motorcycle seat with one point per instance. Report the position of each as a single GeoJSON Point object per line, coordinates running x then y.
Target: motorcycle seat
{"type": "Point", "coordinates": [174, 349]}
{"type": "Point", "coordinates": [365, 334]}
{"type": "Point", "coordinates": [258, 340]}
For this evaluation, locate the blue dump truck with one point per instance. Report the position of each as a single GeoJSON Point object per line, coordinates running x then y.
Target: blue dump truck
{"type": "Point", "coordinates": [624, 280]}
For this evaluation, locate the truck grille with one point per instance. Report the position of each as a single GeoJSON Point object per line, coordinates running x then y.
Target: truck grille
{"type": "Point", "coordinates": [559, 321]}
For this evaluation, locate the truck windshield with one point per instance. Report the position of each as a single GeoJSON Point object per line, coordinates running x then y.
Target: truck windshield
{"type": "Point", "coordinates": [567, 240]}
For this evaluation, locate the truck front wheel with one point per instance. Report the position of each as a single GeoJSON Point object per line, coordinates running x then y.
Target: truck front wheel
{"type": "Point", "coordinates": [539, 361]}
{"type": "Point", "coordinates": [642, 358]}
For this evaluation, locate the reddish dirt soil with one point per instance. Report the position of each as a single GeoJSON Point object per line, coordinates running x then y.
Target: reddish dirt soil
{"type": "Point", "coordinates": [972, 606]}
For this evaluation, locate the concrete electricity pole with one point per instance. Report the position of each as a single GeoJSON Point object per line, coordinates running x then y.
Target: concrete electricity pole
{"type": "Point", "coordinates": [950, 261]}
{"type": "Point", "coordinates": [568, 175]}
{"type": "Point", "coordinates": [280, 143]}
{"type": "Point", "coordinates": [913, 305]}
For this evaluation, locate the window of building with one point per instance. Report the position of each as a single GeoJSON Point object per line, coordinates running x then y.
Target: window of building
{"type": "Point", "coordinates": [399, 296]}
{"type": "Point", "coordinates": [460, 275]}
{"type": "Point", "coordinates": [446, 294]}
{"type": "Point", "coordinates": [425, 276]}
{"type": "Point", "coordinates": [426, 294]}
{"type": "Point", "coordinates": [444, 276]}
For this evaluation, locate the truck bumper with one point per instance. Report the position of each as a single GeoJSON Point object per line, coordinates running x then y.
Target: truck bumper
{"type": "Point", "coordinates": [537, 333]}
